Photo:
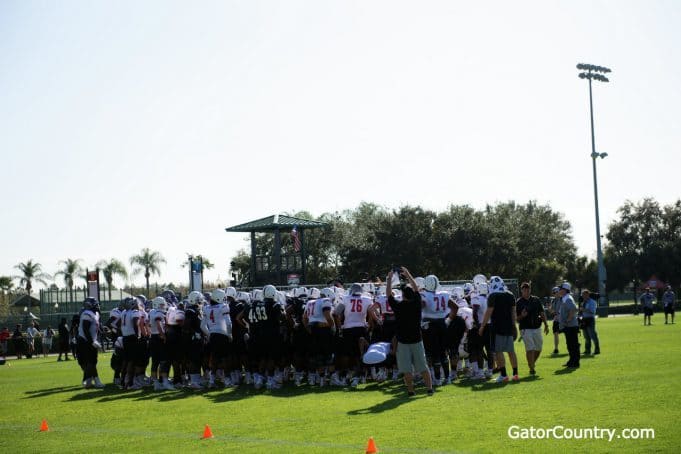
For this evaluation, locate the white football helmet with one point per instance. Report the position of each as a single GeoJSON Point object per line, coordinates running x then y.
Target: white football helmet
{"type": "Point", "coordinates": [159, 303]}
{"type": "Point", "coordinates": [300, 292]}
{"type": "Point", "coordinates": [195, 298]}
{"type": "Point", "coordinates": [467, 288]}
{"type": "Point", "coordinates": [496, 285]}
{"type": "Point", "coordinates": [218, 295]}
{"type": "Point", "coordinates": [479, 279]}
{"type": "Point", "coordinates": [458, 293]}
{"type": "Point", "coordinates": [483, 289]}
{"type": "Point", "coordinates": [328, 293]}
{"type": "Point", "coordinates": [280, 298]}
{"type": "Point", "coordinates": [431, 283]}
{"type": "Point", "coordinates": [256, 294]}
{"type": "Point", "coordinates": [420, 282]}
{"type": "Point", "coordinates": [269, 292]}
{"type": "Point", "coordinates": [314, 293]}
{"type": "Point", "coordinates": [243, 297]}
{"type": "Point", "coordinates": [230, 292]}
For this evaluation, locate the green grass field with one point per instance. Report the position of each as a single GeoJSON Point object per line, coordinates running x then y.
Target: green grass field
{"type": "Point", "coordinates": [634, 383]}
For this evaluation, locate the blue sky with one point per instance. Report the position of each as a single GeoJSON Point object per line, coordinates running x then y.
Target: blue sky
{"type": "Point", "coordinates": [155, 124]}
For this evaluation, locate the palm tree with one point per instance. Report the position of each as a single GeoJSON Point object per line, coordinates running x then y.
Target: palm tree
{"type": "Point", "coordinates": [149, 261]}
{"type": "Point", "coordinates": [31, 271]}
{"type": "Point", "coordinates": [113, 267]}
{"type": "Point", "coordinates": [70, 270]}
{"type": "Point", "coordinates": [205, 262]}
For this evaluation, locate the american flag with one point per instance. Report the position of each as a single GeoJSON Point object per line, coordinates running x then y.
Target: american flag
{"type": "Point", "coordinates": [295, 238]}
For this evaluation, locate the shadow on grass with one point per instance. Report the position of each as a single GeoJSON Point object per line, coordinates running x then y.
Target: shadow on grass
{"type": "Point", "coordinates": [51, 391]}
{"type": "Point", "coordinates": [566, 370]}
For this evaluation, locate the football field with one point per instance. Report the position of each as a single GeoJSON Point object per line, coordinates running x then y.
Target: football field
{"type": "Point", "coordinates": [633, 385]}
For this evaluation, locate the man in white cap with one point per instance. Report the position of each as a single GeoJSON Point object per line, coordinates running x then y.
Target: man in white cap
{"type": "Point", "coordinates": [569, 324]}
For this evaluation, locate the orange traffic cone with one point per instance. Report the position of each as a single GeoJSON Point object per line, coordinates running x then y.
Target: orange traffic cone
{"type": "Point", "coordinates": [207, 433]}
{"type": "Point", "coordinates": [371, 446]}
{"type": "Point", "coordinates": [43, 426]}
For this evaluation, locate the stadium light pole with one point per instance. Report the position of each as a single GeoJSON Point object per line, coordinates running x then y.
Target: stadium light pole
{"type": "Point", "coordinates": [593, 72]}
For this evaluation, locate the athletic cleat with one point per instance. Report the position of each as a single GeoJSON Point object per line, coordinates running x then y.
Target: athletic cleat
{"type": "Point", "coordinates": [502, 379]}
{"type": "Point", "coordinates": [515, 378]}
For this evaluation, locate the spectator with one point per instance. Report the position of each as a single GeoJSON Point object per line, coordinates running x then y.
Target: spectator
{"type": "Point", "coordinates": [18, 341]}
{"type": "Point", "coordinates": [48, 335]}
{"type": "Point", "coordinates": [4, 338]}
{"type": "Point", "coordinates": [31, 334]}
{"type": "Point", "coordinates": [589, 323]}
{"type": "Point", "coordinates": [647, 301]}
{"type": "Point", "coordinates": [501, 310]}
{"type": "Point", "coordinates": [569, 324]}
{"type": "Point", "coordinates": [530, 315]}
{"type": "Point", "coordinates": [63, 339]}
{"type": "Point", "coordinates": [411, 355]}
{"type": "Point", "coordinates": [668, 299]}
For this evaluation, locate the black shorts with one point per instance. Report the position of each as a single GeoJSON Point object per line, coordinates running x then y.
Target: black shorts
{"type": "Point", "coordinates": [669, 309]}
{"type": "Point", "coordinates": [173, 346]}
{"type": "Point", "coordinates": [351, 337]}
{"type": "Point", "coordinates": [454, 333]}
{"type": "Point", "coordinates": [384, 332]}
{"type": "Point", "coordinates": [87, 354]}
{"type": "Point", "coordinates": [556, 327]}
{"type": "Point", "coordinates": [265, 346]}
{"type": "Point", "coordinates": [219, 346]}
{"type": "Point", "coordinates": [301, 342]}
{"type": "Point", "coordinates": [157, 349]}
{"type": "Point", "coordinates": [647, 311]}
{"type": "Point", "coordinates": [321, 346]}
{"type": "Point", "coordinates": [132, 350]}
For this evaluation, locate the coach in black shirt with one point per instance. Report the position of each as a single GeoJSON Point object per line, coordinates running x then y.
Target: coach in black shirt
{"type": "Point", "coordinates": [410, 352]}
{"type": "Point", "coordinates": [530, 315]}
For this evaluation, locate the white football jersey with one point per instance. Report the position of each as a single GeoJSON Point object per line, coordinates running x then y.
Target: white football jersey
{"type": "Point", "coordinates": [355, 309]}
{"type": "Point", "coordinates": [217, 319]}
{"type": "Point", "coordinates": [315, 309]}
{"type": "Point", "coordinates": [93, 318]}
{"type": "Point", "coordinates": [386, 309]}
{"type": "Point", "coordinates": [435, 305]}
{"type": "Point", "coordinates": [156, 318]}
{"type": "Point", "coordinates": [479, 303]}
{"type": "Point", "coordinates": [115, 316]}
{"type": "Point", "coordinates": [128, 325]}
{"type": "Point", "coordinates": [174, 316]}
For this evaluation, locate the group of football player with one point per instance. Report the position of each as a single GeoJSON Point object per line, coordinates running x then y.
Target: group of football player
{"type": "Point", "coordinates": [266, 337]}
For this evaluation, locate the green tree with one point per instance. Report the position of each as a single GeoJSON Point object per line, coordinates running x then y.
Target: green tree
{"type": "Point", "coordinates": [6, 290]}
{"type": "Point", "coordinates": [69, 271]}
{"type": "Point", "coordinates": [205, 261]}
{"type": "Point", "coordinates": [148, 261]}
{"type": "Point", "coordinates": [31, 272]}
{"type": "Point", "coordinates": [111, 268]}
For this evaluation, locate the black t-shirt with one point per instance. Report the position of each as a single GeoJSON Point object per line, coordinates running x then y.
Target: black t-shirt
{"type": "Point", "coordinates": [502, 317]}
{"type": "Point", "coordinates": [407, 319]}
{"type": "Point", "coordinates": [534, 309]}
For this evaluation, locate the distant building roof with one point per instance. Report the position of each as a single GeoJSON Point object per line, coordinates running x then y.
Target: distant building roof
{"type": "Point", "coordinates": [26, 301]}
{"type": "Point", "coordinates": [274, 222]}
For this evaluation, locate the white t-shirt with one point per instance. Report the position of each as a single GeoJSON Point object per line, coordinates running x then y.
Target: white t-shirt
{"type": "Point", "coordinates": [355, 309]}
{"type": "Point", "coordinates": [435, 305]}
{"type": "Point", "coordinates": [217, 320]}
{"type": "Point", "coordinates": [93, 318]}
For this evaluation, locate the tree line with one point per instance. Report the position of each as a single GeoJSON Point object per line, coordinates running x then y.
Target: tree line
{"type": "Point", "coordinates": [526, 241]}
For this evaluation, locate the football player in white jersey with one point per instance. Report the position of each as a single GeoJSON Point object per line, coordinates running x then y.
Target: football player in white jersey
{"type": "Point", "coordinates": [435, 311]}
{"type": "Point", "coordinates": [88, 346]}
{"type": "Point", "coordinates": [319, 322]}
{"type": "Point", "coordinates": [160, 365]}
{"type": "Point", "coordinates": [132, 348]}
{"type": "Point", "coordinates": [384, 331]}
{"type": "Point", "coordinates": [174, 322]}
{"type": "Point", "coordinates": [480, 346]}
{"type": "Point", "coordinates": [217, 326]}
{"type": "Point", "coordinates": [351, 314]}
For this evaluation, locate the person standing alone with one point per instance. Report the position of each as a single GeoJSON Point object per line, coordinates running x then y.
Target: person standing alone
{"type": "Point", "coordinates": [589, 324]}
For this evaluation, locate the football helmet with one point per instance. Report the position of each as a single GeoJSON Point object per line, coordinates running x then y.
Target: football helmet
{"type": "Point", "coordinates": [128, 303]}
{"type": "Point", "coordinates": [467, 288]}
{"type": "Point", "coordinates": [458, 293]}
{"type": "Point", "coordinates": [479, 279]}
{"type": "Point", "coordinates": [195, 298]}
{"type": "Point", "coordinates": [328, 293]}
{"type": "Point", "coordinates": [420, 282]}
{"type": "Point", "coordinates": [90, 303]}
{"type": "Point", "coordinates": [256, 295]}
{"type": "Point", "coordinates": [496, 284]}
{"type": "Point", "coordinates": [142, 299]}
{"type": "Point", "coordinates": [159, 303]}
{"type": "Point", "coordinates": [314, 293]}
{"type": "Point", "coordinates": [269, 292]}
{"type": "Point", "coordinates": [230, 292]}
{"type": "Point", "coordinates": [217, 296]}
{"type": "Point", "coordinates": [355, 289]}
{"type": "Point", "coordinates": [431, 283]}
{"type": "Point", "coordinates": [243, 297]}
{"type": "Point", "coordinates": [483, 289]}
{"type": "Point", "coordinates": [300, 292]}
